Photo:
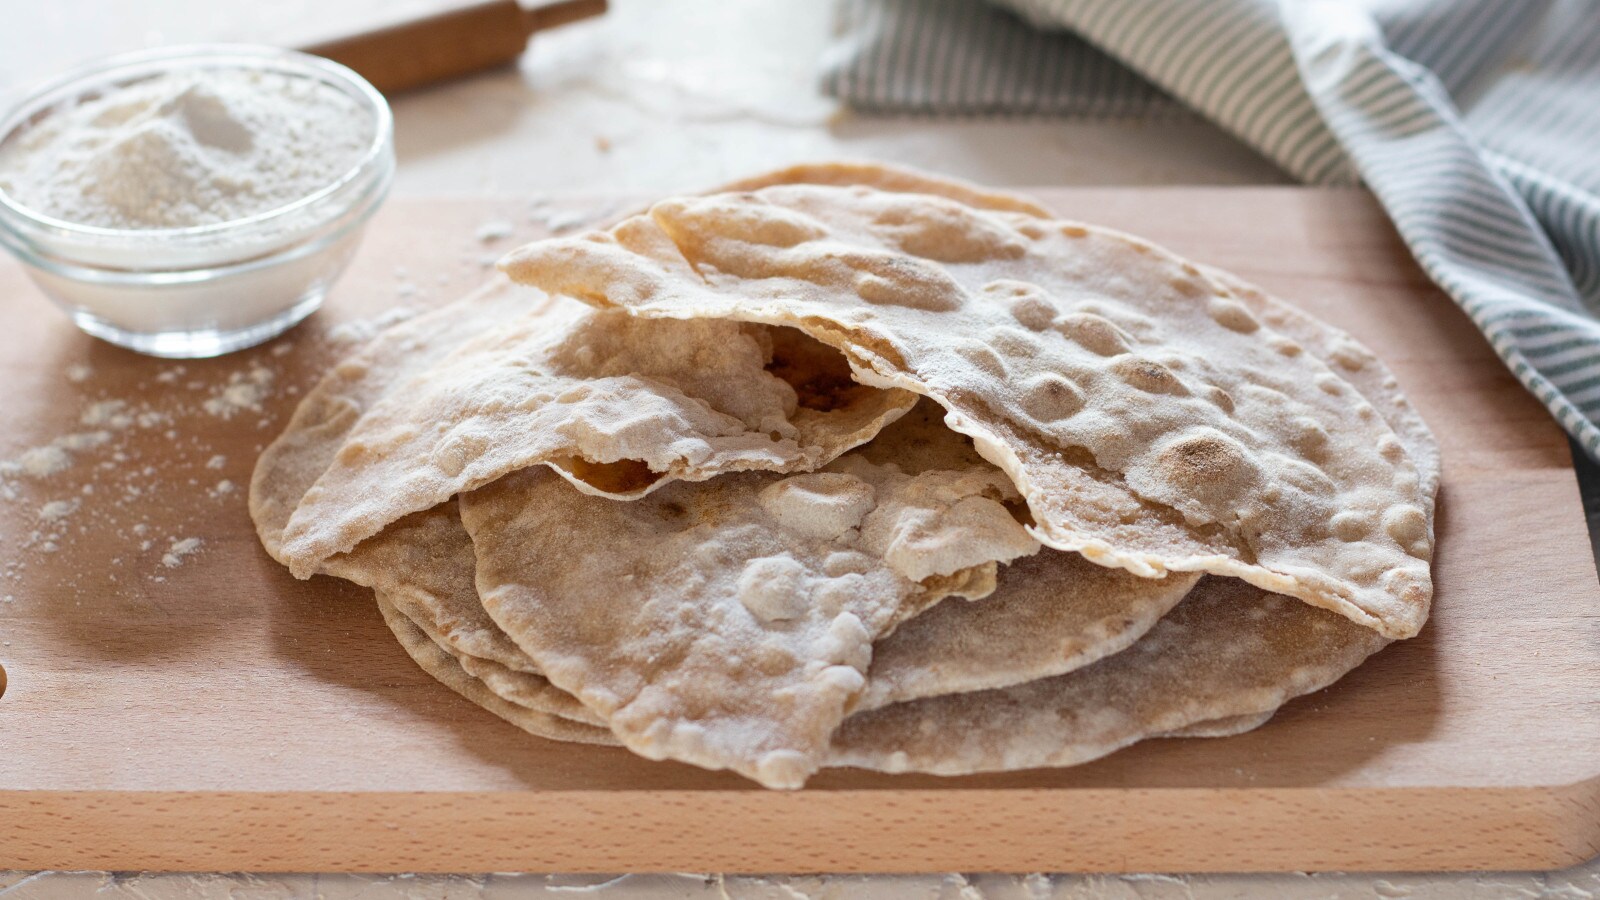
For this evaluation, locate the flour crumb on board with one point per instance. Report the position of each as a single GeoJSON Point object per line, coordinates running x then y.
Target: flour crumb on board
{"type": "Point", "coordinates": [217, 462]}
{"type": "Point", "coordinates": [359, 331]}
{"type": "Point", "coordinates": [107, 414]}
{"type": "Point", "coordinates": [180, 548]}
{"type": "Point", "coordinates": [562, 220]}
{"type": "Point", "coordinates": [567, 221]}
{"type": "Point", "coordinates": [56, 510]}
{"type": "Point", "coordinates": [494, 231]}
{"type": "Point", "coordinates": [243, 392]}
{"type": "Point", "coordinates": [78, 373]}
{"type": "Point", "coordinates": [52, 458]}
{"type": "Point", "coordinates": [38, 462]}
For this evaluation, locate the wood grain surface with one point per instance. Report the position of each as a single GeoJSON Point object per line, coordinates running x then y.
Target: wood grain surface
{"type": "Point", "coordinates": [216, 714]}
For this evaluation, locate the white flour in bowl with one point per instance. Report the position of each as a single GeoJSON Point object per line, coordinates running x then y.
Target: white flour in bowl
{"type": "Point", "coordinates": [183, 149]}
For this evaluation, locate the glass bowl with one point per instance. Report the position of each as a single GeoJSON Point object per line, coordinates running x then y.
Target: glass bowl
{"type": "Point", "coordinates": [209, 289]}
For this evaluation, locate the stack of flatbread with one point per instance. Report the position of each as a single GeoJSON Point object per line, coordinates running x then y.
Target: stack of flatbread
{"type": "Point", "coordinates": [851, 466]}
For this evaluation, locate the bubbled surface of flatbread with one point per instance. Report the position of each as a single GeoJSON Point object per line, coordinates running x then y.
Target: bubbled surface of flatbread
{"type": "Point", "coordinates": [1151, 419]}
{"type": "Point", "coordinates": [1358, 366]}
{"type": "Point", "coordinates": [1353, 362]}
{"type": "Point", "coordinates": [618, 405]}
{"type": "Point", "coordinates": [730, 623]}
{"type": "Point", "coordinates": [1220, 663]}
{"type": "Point", "coordinates": [1229, 649]}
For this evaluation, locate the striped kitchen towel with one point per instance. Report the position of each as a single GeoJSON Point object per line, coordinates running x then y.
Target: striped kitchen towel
{"type": "Point", "coordinates": [1475, 122]}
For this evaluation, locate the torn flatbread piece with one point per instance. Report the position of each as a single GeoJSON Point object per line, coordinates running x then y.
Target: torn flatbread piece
{"type": "Point", "coordinates": [293, 462]}
{"type": "Point", "coordinates": [1049, 614]}
{"type": "Point", "coordinates": [618, 405]}
{"type": "Point", "coordinates": [1152, 421]}
{"type": "Point", "coordinates": [730, 623]}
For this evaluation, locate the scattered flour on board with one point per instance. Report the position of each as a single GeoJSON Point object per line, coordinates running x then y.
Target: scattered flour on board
{"type": "Point", "coordinates": [48, 459]}
{"type": "Point", "coordinates": [37, 462]}
{"type": "Point", "coordinates": [56, 510]}
{"type": "Point", "coordinates": [494, 230]}
{"type": "Point", "coordinates": [131, 475]}
{"type": "Point", "coordinates": [181, 548]}
{"type": "Point", "coordinates": [243, 392]}
{"type": "Point", "coordinates": [125, 458]}
{"type": "Point", "coordinates": [107, 414]}
{"type": "Point", "coordinates": [559, 220]}
{"type": "Point", "coordinates": [359, 331]}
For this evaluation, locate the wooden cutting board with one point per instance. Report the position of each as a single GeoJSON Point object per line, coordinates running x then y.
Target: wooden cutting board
{"type": "Point", "coordinates": [216, 714]}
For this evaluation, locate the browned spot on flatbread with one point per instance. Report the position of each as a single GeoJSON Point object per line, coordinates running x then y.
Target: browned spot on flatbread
{"type": "Point", "coordinates": [624, 476]}
{"type": "Point", "coordinates": [818, 373]}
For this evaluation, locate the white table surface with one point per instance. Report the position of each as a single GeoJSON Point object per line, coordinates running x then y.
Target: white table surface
{"type": "Point", "coordinates": [663, 95]}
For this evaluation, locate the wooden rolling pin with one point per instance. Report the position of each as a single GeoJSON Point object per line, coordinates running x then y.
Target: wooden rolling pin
{"type": "Point", "coordinates": [460, 41]}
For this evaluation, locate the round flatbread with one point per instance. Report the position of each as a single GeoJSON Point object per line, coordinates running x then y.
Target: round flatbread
{"type": "Point", "coordinates": [1159, 417]}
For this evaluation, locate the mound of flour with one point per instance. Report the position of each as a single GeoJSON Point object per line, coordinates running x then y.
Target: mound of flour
{"type": "Point", "coordinates": [187, 149]}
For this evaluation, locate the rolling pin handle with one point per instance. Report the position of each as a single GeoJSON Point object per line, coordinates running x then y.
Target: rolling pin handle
{"type": "Point", "coordinates": [564, 12]}
{"type": "Point", "coordinates": [462, 41]}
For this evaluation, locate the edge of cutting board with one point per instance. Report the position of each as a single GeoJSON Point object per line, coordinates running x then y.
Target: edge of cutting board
{"type": "Point", "coordinates": [1195, 830]}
